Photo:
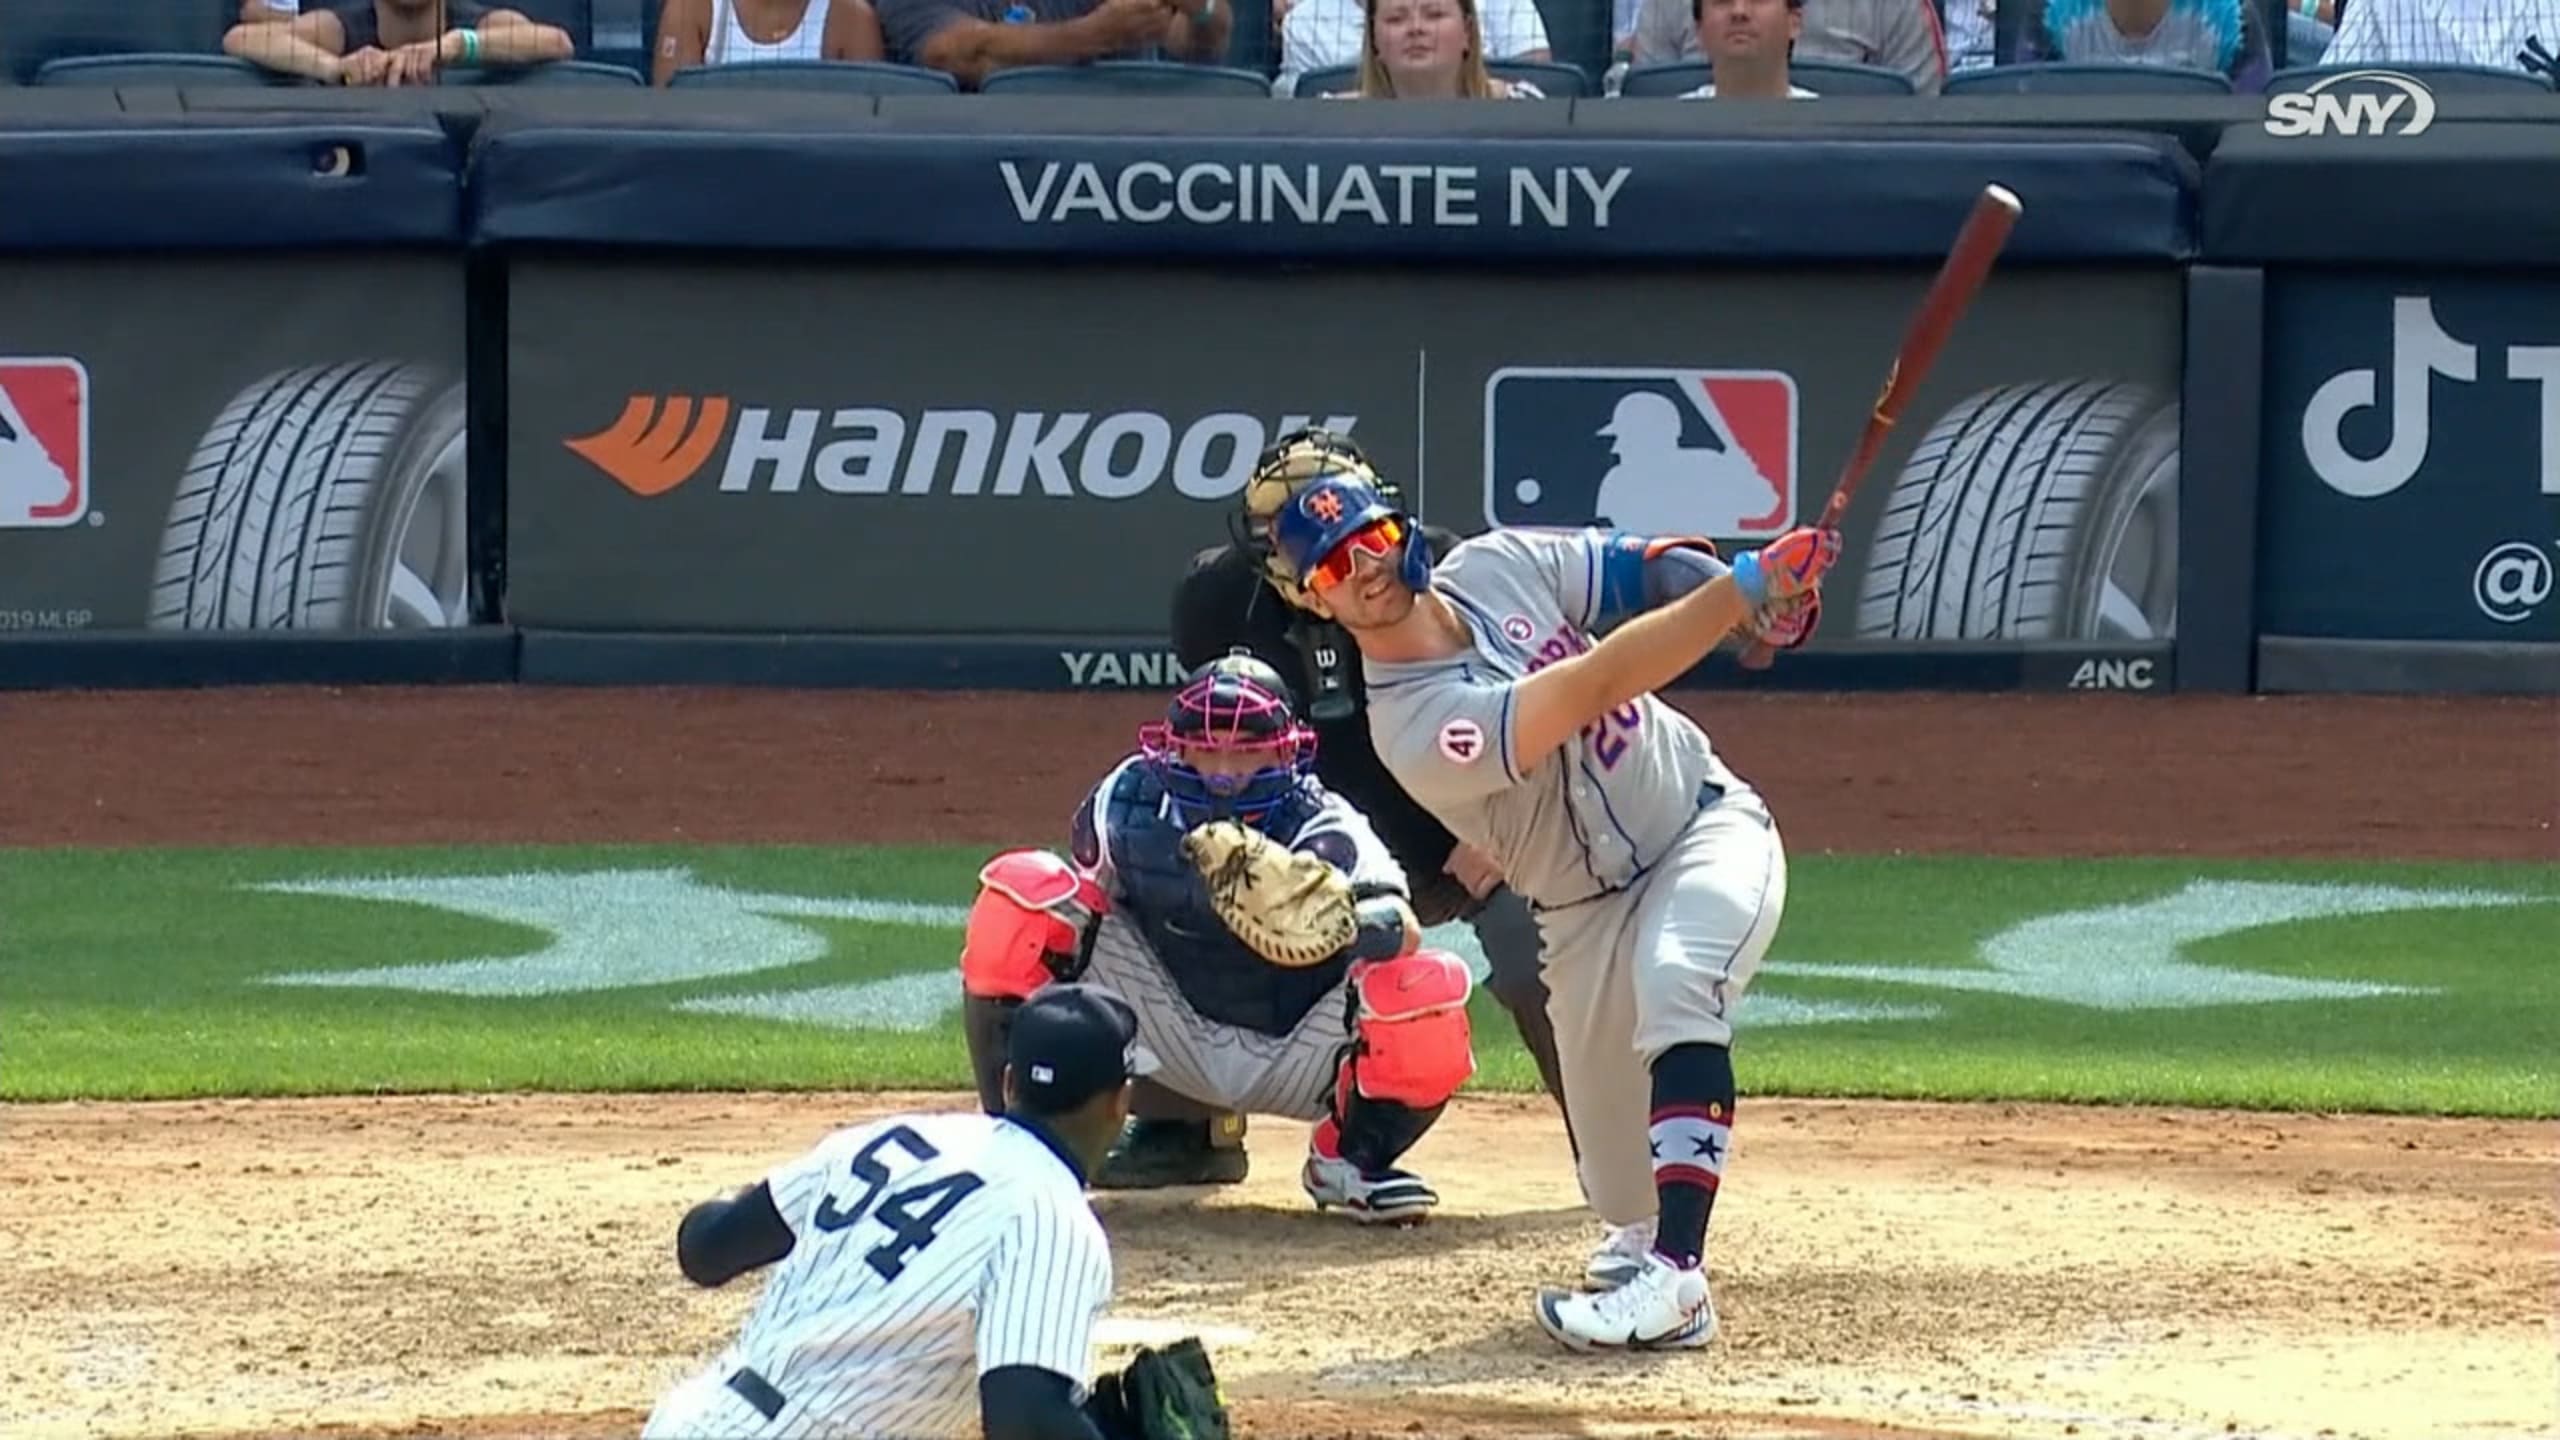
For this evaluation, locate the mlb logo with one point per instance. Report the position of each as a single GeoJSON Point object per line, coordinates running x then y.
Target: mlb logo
{"type": "Point", "coordinates": [1653, 451]}
{"type": "Point", "coordinates": [44, 443]}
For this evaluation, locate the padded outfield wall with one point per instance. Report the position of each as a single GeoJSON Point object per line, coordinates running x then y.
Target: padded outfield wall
{"type": "Point", "coordinates": [610, 388]}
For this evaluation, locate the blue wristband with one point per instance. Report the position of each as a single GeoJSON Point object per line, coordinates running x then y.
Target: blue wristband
{"type": "Point", "coordinates": [1748, 579]}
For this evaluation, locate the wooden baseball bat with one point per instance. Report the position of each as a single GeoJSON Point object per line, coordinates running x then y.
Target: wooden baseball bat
{"type": "Point", "coordinates": [1959, 278]}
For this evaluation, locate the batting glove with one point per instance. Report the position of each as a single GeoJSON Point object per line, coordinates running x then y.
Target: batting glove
{"type": "Point", "coordinates": [1789, 623]}
{"type": "Point", "coordinates": [1785, 567]}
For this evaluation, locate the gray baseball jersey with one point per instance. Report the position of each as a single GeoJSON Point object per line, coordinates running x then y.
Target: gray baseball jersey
{"type": "Point", "coordinates": [1595, 815]}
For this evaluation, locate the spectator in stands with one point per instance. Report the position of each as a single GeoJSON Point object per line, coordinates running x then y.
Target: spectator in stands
{"type": "Point", "coordinates": [1746, 43]}
{"type": "Point", "coordinates": [1429, 50]}
{"type": "Point", "coordinates": [2494, 33]}
{"type": "Point", "coordinates": [395, 42]}
{"type": "Point", "coordinates": [1318, 34]}
{"type": "Point", "coordinates": [755, 32]}
{"type": "Point", "coordinates": [1966, 25]}
{"type": "Point", "coordinates": [2227, 37]}
{"type": "Point", "coordinates": [1890, 34]}
{"type": "Point", "coordinates": [972, 39]}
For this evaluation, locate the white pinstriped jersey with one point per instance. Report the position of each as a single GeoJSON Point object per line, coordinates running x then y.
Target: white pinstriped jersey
{"type": "Point", "coordinates": [927, 1249]}
{"type": "Point", "coordinates": [2442, 32]}
{"type": "Point", "coordinates": [1584, 820]}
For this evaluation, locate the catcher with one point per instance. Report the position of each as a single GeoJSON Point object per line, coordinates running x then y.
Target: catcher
{"type": "Point", "coordinates": [1260, 930]}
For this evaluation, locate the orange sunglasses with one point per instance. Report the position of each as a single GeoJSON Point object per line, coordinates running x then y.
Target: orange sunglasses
{"type": "Point", "coordinates": [1379, 539]}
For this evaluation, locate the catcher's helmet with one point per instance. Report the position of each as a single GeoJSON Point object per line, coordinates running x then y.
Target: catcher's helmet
{"type": "Point", "coordinates": [1235, 705]}
{"type": "Point", "coordinates": [1320, 518]}
{"type": "Point", "coordinates": [1292, 463]}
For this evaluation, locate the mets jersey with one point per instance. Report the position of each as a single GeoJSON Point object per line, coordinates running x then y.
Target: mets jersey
{"type": "Point", "coordinates": [1592, 816]}
{"type": "Point", "coordinates": [1127, 837]}
{"type": "Point", "coordinates": [926, 1250]}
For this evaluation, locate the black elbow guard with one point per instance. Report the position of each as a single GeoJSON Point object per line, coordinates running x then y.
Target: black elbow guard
{"type": "Point", "coordinates": [1382, 931]}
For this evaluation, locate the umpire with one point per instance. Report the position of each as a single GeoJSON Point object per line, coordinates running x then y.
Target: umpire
{"type": "Point", "coordinates": [1232, 599]}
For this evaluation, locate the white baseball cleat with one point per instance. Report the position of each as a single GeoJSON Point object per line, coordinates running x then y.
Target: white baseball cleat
{"type": "Point", "coordinates": [1387, 1197]}
{"type": "Point", "coordinates": [1620, 1256]}
{"type": "Point", "coordinates": [1665, 1307]}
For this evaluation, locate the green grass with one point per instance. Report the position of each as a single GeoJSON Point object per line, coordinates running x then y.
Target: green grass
{"type": "Point", "coordinates": [142, 974]}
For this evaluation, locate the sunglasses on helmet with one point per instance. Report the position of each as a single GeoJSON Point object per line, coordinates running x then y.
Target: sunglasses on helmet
{"type": "Point", "coordinates": [1380, 539]}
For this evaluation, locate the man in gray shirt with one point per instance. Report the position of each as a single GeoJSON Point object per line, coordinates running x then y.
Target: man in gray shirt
{"type": "Point", "coordinates": [971, 39]}
{"type": "Point", "coordinates": [1893, 34]}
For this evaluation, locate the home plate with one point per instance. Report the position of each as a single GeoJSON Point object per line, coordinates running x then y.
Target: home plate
{"type": "Point", "coordinates": [1125, 1330]}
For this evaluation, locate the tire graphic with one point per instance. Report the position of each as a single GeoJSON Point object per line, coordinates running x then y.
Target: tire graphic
{"type": "Point", "coordinates": [327, 497]}
{"type": "Point", "coordinates": [2033, 512]}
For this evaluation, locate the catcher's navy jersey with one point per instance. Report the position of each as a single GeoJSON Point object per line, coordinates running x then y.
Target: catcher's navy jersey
{"type": "Point", "coordinates": [926, 1250]}
{"type": "Point", "coordinates": [1128, 839]}
{"type": "Point", "coordinates": [1592, 816]}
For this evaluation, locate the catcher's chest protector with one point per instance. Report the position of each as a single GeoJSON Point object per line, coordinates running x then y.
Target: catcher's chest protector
{"type": "Point", "coordinates": [1166, 899]}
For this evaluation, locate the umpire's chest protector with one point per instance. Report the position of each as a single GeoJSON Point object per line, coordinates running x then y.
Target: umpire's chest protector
{"type": "Point", "coordinates": [1169, 903]}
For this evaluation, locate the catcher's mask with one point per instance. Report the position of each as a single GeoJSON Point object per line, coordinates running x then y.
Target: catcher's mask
{"type": "Point", "coordinates": [1236, 706]}
{"type": "Point", "coordinates": [1294, 462]}
{"type": "Point", "coordinates": [1322, 527]}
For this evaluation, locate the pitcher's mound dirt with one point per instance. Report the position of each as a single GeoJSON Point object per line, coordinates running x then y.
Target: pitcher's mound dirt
{"type": "Point", "coordinates": [504, 1265]}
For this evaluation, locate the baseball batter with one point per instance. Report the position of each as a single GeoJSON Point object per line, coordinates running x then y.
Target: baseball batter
{"type": "Point", "coordinates": [1361, 1030]}
{"type": "Point", "coordinates": [934, 1274]}
{"type": "Point", "coordinates": [1656, 871]}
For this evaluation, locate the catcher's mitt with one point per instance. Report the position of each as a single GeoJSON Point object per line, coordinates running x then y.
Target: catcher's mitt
{"type": "Point", "coordinates": [1290, 907]}
{"type": "Point", "coordinates": [1168, 1394]}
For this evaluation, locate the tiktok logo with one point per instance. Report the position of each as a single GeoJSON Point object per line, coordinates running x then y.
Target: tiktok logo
{"type": "Point", "coordinates": [2420, 350]}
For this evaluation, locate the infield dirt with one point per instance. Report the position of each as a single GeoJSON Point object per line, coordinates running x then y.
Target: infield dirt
{"type": "Point", "coordinates": [478, 1266]}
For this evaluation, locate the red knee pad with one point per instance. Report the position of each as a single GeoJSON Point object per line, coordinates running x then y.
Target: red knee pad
{"type": "Point", "coordinates": [1416, 1044]}
{"type": "Point", "coordinates": [1026, 925]}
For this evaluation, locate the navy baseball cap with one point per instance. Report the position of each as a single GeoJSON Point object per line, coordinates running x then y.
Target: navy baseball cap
{"type": "Point", "coordinates": [1070, 1043]}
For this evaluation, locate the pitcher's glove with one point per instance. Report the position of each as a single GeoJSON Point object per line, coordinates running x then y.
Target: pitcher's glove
{"type": "Point", "coordinates": [1167, 1394]}
{"type": "Point", "coordinates": [1288, 906]}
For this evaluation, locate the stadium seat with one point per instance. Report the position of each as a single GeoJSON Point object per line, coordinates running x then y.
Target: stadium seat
{"type": "Point", "coordinates": [2439, 78]}
{"type": "Point", "coordinates": [1578, 34]}
{"type": "Point", "coordinates": [853, 77]}
{"type": "Point", "coordinates": [1840, 77]}
{"type": "Point", "coordinates": [1664, 80]}
{"type": "Point", "coordinates": [33, 33]}
{"type": "Point", "coordinates": [1326, 80]}
{"type": "Point", "coordinates": [1556, 79]}
{"type": "Point", "coordinates": [184, 72]}
{"type": "Point", "coordinates": [1127, 77]}
{"type": "Point", "coordinates": [2063, 77]}
{"type": "Point", "coordinates": [556, 72]}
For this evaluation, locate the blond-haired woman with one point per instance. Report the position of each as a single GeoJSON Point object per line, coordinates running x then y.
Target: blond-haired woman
{"type": "Point", "coordinates": [1430, 50]}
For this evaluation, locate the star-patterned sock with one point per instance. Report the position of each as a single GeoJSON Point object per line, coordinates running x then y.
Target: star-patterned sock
{"type": "Point", "coordinates": [1691, 1130]}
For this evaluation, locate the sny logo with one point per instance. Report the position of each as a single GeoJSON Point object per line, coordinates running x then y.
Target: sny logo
{"type": "Point", "coordinates": [2366, 102]}
{"type": "Point", "coordinates": [1653, 451]}
{"type": "Point", "coordinates": [44, 443]}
